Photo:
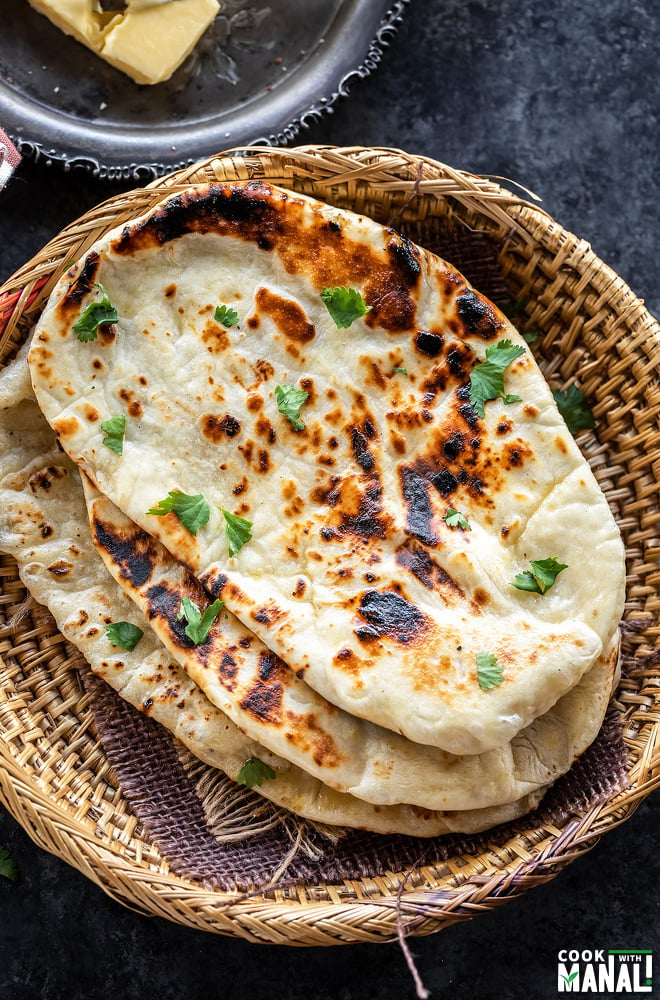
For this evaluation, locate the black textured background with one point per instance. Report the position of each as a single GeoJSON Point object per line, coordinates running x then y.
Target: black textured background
{"type": "Point", "coordinates": [564, 98]}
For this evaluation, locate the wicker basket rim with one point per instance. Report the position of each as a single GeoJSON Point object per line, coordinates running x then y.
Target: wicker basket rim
{"type": "Point", "coordinates": [426, 901]}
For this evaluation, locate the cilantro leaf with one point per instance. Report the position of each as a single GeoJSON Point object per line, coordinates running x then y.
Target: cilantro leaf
{"type": "Point", "coordinates": [254, 772]}
{"type": "Point", "coordinates": [238, 531]}
{"type": "Point", "coordinates": [225, 315]}
{"type": "Point", "coordinates": [487, 378]}
{"type": "Point", "coordinates": [543, 575]}
{"type": "Point", "coordinates": [489, 672]}
{"type": "Point", "coordinates": [454, 519]}
{"type": "Point", "coordinates": [193, 511]}
{"type": "Point", "coordinates": [289, 400]}
{"type": "Point", "coordinates": [511, 309]}
{"type": "Point", "coordinates": [123, 634]}
{"type": "Point", "coordinates": [403, 371]}
{"type": "Point", "coordinates": [199, 625]}
{"type": "Point", "coordinates": [344, 305]}
{"type": "Point", "coordinates": [8, 867]}
{"type": "Point", "coordinates": [573, 406]}
{"type": "Point", "coordinates": [96, 314]}
{"type": "Point", "coordinates": [114, 428]}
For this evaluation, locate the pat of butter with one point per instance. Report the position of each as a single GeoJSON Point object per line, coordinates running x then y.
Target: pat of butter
{"type": "Point", "coordinates": [149, 43]}
{"type": "Point", "coordinates": [77, 18]}
{"type": "Point", "coordinates": [146, 41]}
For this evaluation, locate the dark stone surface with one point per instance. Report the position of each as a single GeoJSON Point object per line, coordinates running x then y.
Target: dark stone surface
{"type": "Point", "coordinates": [563, 98]}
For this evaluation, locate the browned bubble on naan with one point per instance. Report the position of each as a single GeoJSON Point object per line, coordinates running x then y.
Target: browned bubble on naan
{"type": "Point", "coordinates": [43, 524]}
{"type": "Point", "coordinates": [352, 575]}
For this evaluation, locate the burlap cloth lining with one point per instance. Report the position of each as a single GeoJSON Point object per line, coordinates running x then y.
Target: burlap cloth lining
{"type": "Point", "coordinates": [166, 798]}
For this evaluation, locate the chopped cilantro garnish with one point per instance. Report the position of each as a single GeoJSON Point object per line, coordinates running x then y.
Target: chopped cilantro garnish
{"type": "Point", "coordinates": [124, 634]}
{"type": "Point", "coordinates": [344, 305]}
{"type": "Point", "coordinates": [114, 429]}
{"type": "Point", "coordinates": [8, 867]}
{"type": "Point", "coordinates": [226, 315]}
{"type": "Point", "coordinates": [199, 625]}
{"type": "Point", "coordinates": [254, 772]}
{"type": "Point", "coordinates": [193, 511]}
{"type": "Point", "coordinates": [489, 672]}
{"type": "Point", "coordinates": [487, 378]}
{"type": "Point", "coordinates": [289, 400]}
{"type": "Point", "coordinates": [454, 519]}
{"type": "Point", "coordinates": [96, 314]}
{"type": "Point", "coordinates": [543, 574]}
{"type": "Point", "coordinates": [238, 531]}
{"type": "Point", "coordinates": [511, 309]}
{"type": "Point", "coordinates": [402, 371]}
{"type": "Point", "coordinates": [573, 406]}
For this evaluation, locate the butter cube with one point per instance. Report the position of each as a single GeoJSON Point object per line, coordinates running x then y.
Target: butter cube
{"type": "Point", "coordinates": [147, 41]}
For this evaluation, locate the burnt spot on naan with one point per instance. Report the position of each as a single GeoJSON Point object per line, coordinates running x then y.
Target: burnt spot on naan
{"type": "Point", "coordinates": [60, 568]}
{"type": "Point", "coordinates": [387, 289]}
{"type": "Point", "coordinates": [227, 671]}
{"type": "Point", "coordinates": [417, 501]}
{"type": "Point", "coordinates": [405, 258]}
{"type": "Point", "coordinates": [263, 370]}
{"type": "Point", "coordinates": [263, 698]}
{"type": "Point", "coordinates": [163, 603]}
{"type": "Point", "coordinates": [44, 478]}
{"type": "Point", "coordinates": [265, 429]}
{"type": "Point", "coordinates": [477, 315]}
{"type": "Point", "coordinates": [133, 551]}
{"type": "Point", "coordinates": [387, 614]}
{"type": "Point", "coordinates": [420, 563]}
{"type": "Point", "coordinates": [68, 308]}
{"type": "Point", "coordinates": [360, 446]}
{"type": "Point", "coordinates": [391, 306]}
{"type": "Point", "coordinates": [428, 343]}
{"type": "Point", "coordinates": [134, 407]}
{"type": "Point", "coordinates": [288, 316]}
{"type": "Point", "coordinates": [247, 212]}
{"type": "Point", "coordinates": [218, 428]}
{"type": "Point", "coordinates": [450, 366]}
{"type": "Point", "coordinates": [215, 582]}
{"type": "Point", "coordinates": [258, 458]}
{"type": "Point", "coordinates": [268, 614]}
{"type": "Point", "coordinates": [359, 509]}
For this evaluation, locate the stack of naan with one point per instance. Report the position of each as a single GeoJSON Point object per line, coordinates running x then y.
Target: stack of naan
{"type": "Point", "coordinates": [326, 481]}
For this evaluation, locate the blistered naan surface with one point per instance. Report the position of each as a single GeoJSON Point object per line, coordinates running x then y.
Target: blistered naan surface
{"type": "Point", "coordinates": [43, 524]}
{"type": "Point", "coordinates": [351, 576]}
{"type": "Point", "coordinates": [256, 689]}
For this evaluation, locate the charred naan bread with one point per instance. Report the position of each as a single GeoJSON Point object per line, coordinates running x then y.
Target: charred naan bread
{"type": "Point", "coordinates": [354, 573]}
{"type": "Point", "coordinates": [43, 524]}
{"type": "Point", "coordinates": [264, 697]}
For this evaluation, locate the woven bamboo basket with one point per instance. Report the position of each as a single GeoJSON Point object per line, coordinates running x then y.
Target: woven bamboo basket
{"type": "Point", "coordinates": [55, 779]}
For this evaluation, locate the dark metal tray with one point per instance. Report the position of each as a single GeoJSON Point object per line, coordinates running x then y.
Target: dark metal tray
{"type": "Point", "coordinates": [264, 70]}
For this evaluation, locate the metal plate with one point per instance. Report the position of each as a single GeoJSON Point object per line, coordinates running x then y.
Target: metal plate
{"type": "Point", "coordinates": [262, 72]}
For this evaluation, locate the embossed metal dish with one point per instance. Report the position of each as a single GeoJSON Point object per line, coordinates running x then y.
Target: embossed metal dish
{"type": "Point", "coordinates": [264, 70]}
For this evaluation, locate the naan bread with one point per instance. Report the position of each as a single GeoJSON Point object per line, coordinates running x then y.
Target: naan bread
{"type": "Point", "coordinates": [265, 698]}
{"type": "Point", "coordinates": [352, 575]}
{"type": "Point", "coordinates": [43, 524]}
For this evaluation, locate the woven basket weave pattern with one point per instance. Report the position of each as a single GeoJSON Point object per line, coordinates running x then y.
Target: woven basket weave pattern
{"type": "Point", "coordinates": [55, 778]}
